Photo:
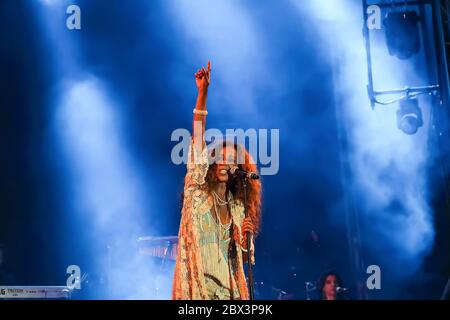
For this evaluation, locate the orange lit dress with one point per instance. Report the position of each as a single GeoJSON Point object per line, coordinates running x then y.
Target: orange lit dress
{"type": "Point", "coordinates": [209, 262]}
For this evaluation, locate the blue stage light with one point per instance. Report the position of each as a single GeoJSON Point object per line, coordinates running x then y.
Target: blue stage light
{"type": "Point", "coordinates": [402, 34]}
{"type": "Point", "coordinates": [409, 116]}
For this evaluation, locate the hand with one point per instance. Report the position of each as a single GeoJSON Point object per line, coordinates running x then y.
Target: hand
{"type": "Point", "coordinates": [202, 78]}
{"type": "Point", "coordinates": [247, 226]}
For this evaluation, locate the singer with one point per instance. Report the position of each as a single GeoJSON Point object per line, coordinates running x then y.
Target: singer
{"type": "Point", "coordinates": [212, 243]}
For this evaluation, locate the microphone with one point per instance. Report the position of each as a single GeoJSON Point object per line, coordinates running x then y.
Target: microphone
{"type": "Point", "coordinates": [340, 289]}
{"type": "Point", "coordinates": [243, 173]}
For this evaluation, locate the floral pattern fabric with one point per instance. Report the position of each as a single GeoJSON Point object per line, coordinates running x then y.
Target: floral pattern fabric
{"type": "Point", "coordinates": [192, 280]}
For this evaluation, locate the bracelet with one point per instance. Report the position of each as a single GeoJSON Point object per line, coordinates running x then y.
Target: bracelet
{"type": "Point", "coordinates": [200, 112]}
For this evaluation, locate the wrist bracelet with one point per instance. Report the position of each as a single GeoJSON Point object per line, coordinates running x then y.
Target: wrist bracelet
{"type": "Point", "coordinates": [200, 112]}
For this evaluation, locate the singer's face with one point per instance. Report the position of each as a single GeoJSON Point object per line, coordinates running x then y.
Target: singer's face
{"type": "Point", "coordinates": [329, 289]}
{"type": "Point", "coordinates": [224, 163]}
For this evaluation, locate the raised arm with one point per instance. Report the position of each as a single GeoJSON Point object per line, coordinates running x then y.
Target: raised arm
{"type": "Point", "coordinates": [202, 80]}
{"type": "Point", "coordinates": [197, 166]}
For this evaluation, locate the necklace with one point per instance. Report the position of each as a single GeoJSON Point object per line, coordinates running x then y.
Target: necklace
{"type": "Point", "coordinates": [219, 201]}
{"type": "Point", "coordinates": [225, 227]}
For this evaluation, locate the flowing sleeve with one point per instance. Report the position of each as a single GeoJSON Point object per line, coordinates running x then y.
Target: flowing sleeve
{"type": "Point", "coordinates": [189, 282]}
{"type": "Point", "coordinates": [197, 165]}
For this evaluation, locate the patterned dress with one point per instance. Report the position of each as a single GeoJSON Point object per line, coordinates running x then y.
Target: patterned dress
{"type": "Point", "coordinates": [209, 263]}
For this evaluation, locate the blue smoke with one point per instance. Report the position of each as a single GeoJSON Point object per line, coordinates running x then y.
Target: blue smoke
{"type": "Point", "coordinates": [389, 168]}
{"type": "Point", "coordinates": [107, 190]}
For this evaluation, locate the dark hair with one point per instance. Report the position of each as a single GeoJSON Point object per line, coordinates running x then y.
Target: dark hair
{"type": "Point", "coordinates": [321, 284]}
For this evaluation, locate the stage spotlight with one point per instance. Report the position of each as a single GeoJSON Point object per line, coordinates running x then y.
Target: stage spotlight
{"type": "Point", "coordinates": [409, 116]}
{"type": "Point", "coordinates": [402, 33]}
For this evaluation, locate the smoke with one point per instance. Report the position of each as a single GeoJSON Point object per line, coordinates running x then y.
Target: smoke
{"type": "Point", "coordinates": [224, 32]}
{"type": "Point", "coordinates": [106, 184]}
{"type": "Point", "coordinates": [106, 189]}
{"type": "Point", "coordinates": [389, 168]}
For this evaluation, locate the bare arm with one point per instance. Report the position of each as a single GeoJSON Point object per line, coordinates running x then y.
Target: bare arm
{"type": "Point", "coordinates": [202, 80]}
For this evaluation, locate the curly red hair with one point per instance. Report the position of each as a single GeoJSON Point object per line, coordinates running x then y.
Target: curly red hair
{"type": "Point", "coordinates": [254, 188]}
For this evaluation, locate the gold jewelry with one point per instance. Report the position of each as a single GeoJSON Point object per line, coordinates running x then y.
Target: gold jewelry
{"type": "Point", "coordinates": [220, 202]}
{"type": "Point", "coordinates": [200, 112]}
{"type": "Point", "coordinates": [226, 227]}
